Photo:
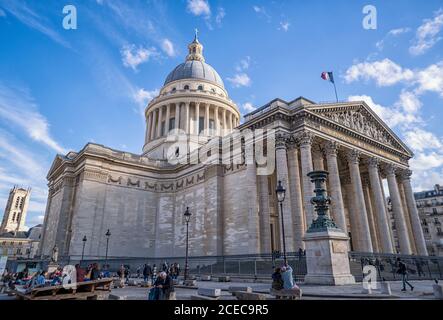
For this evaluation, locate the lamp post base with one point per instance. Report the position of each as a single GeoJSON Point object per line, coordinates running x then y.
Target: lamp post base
{"type": "Point", "coordinates": [327, 258]}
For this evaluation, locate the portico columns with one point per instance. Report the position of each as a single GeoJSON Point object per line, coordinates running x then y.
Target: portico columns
{"type": "Point", "coordinates": [296, 196]}
{"type": "Point", "coordinates": [230, 121]}
{"type": "Point", "coordinates": [149, 128]}
{"type": "Point", "coordinates": [419, 238]}
{"type": "Point", "coordinates": [359, 206]}
{"type": "Point", "coordinates": [399, 216]}
{"type": "Point", "coordinates": [225, 127]}
{"type": "Point", "coordinates": [305, 141]}
{"type": "Point", "coordinates": [283, 175]}
{"type": "Point", "coordinates": [337, 206]}
{"type": "Point", "coordinates": [379, 207]}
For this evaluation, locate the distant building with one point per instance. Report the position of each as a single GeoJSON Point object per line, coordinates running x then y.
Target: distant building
{"type": "Point", "coordinates": [16, 210]}
{"type": "Point", "coordinates": [430, 210]}
{"type": "Point", "coordinates": [20, 244]}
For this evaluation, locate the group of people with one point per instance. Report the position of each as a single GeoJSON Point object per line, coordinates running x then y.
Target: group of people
{"type": "Point", "coordinates": [282, 279]}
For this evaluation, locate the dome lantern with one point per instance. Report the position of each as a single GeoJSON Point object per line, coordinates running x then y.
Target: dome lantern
{"type": "Point", "coordinates": [195, 50]}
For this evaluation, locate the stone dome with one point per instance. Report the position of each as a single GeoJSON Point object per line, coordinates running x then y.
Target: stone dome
{"type": "Point", "coordinates": [195, 69]}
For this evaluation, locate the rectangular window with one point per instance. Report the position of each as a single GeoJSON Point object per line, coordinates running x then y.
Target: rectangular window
{"type": "Point", "coordinates": [171, 123]}
{"type": "Point", "coordinates": [211, 124]}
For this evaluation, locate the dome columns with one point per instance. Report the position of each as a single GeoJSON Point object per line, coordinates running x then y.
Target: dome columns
{"type": "Point", "coordinates": [191, 117]}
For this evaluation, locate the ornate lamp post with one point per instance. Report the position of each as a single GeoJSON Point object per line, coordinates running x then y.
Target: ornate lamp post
{"type": "Point", "coordinates": [83, 251]}
{"type": "Point", "coordinates": [321, 202]}
{"type": "Point", "coordinates": [187, 215]}
{"type": "Point", "coordinates": [281, 193]}
{"type": "Point", "coordinates": [108, 235]}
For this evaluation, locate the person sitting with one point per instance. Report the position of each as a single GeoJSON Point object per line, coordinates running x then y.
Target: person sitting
{"type": "Point", "coordinates": [80, 273]}
{"type": "Point", "coordinates": [288, 280]}
{"type": "Point", "coordinates": [277, 281]}
{"type": "Point", "coordinates": [163, 286]}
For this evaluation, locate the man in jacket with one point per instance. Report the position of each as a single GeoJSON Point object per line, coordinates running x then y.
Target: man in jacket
{"type": "Point", "coordinates": [403, 270]}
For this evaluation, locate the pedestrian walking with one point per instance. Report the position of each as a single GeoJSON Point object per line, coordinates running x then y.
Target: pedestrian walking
{"type": "Point", "coordinates": [403, 271]}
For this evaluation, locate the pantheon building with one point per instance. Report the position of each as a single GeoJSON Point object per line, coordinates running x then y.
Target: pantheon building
{"type": "Point", "coordinates": [141, 198]}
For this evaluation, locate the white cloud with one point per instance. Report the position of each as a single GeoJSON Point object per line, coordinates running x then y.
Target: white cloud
{"type": "Point", "coordinates": [31, 19]}
{"type": "Point", "coordinates": [431, 79]}
{"type": "Point", "coordinates": [240, 80]}
{"type": "Point", "coordinates": [19, 108]}
{"type": "Point", "coordinates": [142, 97]}
{"type": "Point", "coordinates": [244, 64]}
{"type": "Point", "coordinates": [133, 56]}
{"type": "Point", "coordinates": [384, 72]}
{"type": "Point", "coordinates": [409, 102]}
{"type": "Point", "coordinates": [426, 161]}
{"type": "Point", "coordinates": [392, 116]}
{"type": "Point", "coordinates": [168, 47]}
{"type": "Point", "coordinates": [248, 107]}
{"type": "Point", "coordinates": [391, 33]}
{"type": "Point", "coordinates": [420, 140]}
{"type": "Point", "coordinates": [199, 7]}
{"type": "Point", "coordinates": [284, 25]}
{"type": "Point", "coordinates": [221, 13]}
{"type": "Point", "coordinates": [261, 11]}
{"type": "Point", "coordinates": [427, 34]}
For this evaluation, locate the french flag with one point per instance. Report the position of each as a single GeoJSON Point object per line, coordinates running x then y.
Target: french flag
{"type": "Point", "coordinates": [327, 76]}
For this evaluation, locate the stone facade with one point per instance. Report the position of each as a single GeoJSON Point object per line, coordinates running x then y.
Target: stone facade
{"type": "Point", "coordinates": [142, 198]}
{"type": "Point", "coordinates": [16, 210]}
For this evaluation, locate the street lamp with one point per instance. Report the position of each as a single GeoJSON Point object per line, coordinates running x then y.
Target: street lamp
{"type": "Point", "coordinates": [281, 193]}
{"type": "Point", "coordinates": [83, 251]}
{"type": "Point", "coordinates": [108, 235]}
{"type": "Point", "coordinates": [187, 215]}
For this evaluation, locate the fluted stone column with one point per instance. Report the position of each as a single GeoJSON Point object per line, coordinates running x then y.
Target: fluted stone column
{"type": "Point", "coordinates": [353, 219]}
{"type": "Point", "coordinates": [216, 121]}
{"type": "Point", "coordinates": [399, 216]}
{"type": "Point", "coordinates": [177, 116]}
{"type": "Point", "coordinates": [420, 242]}
{"type": "Point", "coordinates": [407, 215]}
{"type": "Point", "coordinates": [197, 117]}
{"type": "Point", "coordinates": [265, 231]}
{"type": "Point", "coordinates": [337, 206]}
{"type": "Point", "coordinates": [296, 196]}
{"type": "Point", "coordinates": [253, 218]}
{"type": "Point", "coordinates": [159, 123]}
{"type": "Point", "coordinates": [154, 123]}
{"type": "Point", "coordinates": [230, 121]}
{"type": "Point", "coordinates": [187, 128]}
{"type": "Point", "coordinates": [225, 128]}
{"type": "Point", "coordinates": [380, 207]}
{"type": "Point", "coordinates": [148, 128]}
{"type": "Point", "coordinates": [207, 118]}
{"type": "Point", "coordinates": [168, 116]}
{"type": "Point", "coordinates": [283, 175]}
{"type": "Point", "coordinates": [370, 212]}
{"type": "Point", "coordinates": [317, 158]}
{"type": "Point", "coordinates": [360, 207]}
{"type": "Point", "coordinates": [305, 141]}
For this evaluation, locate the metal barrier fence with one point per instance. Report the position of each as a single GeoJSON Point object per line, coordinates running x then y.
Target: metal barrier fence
{"type": "Point", "coordinates": [419, 267]}
{"type": "Point", "coordinates": [259, 266]}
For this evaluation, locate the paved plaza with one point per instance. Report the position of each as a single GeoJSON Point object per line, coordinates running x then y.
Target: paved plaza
{"type": "Point", "coordinates": [422, 290]}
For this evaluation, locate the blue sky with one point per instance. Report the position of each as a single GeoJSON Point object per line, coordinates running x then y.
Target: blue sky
{"type": "Point", "coordinates": [60, 89]}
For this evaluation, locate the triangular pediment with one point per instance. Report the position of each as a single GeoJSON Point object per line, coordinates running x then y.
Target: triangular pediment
{"type": "Point", "coordinates": [359, 117]}
{"type": "Point", "coordinates": [58, 161]}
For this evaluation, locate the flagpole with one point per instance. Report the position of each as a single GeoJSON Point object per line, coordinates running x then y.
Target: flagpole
{"type": "Point", "coordinates": [335, 89]}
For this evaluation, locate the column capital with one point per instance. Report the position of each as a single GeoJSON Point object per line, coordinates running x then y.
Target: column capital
{"type": "Point", "coordinates": [373, 162]}
{"type": "Point", "coordinates": [281, 140]}
{"type": "Point", "coordinates": [405, 175]}
{"type": "Point", "coordinates": [353, 156]}
{"type": "Point", "coordinates": [331, 148]}
{"type": "Point", "coordinates": [305, 138]}
{"type": "Point", "coordinates": [391, 169]}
